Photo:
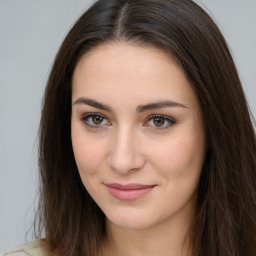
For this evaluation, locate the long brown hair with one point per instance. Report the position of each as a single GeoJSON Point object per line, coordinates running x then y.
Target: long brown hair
{"type": "Point", "coordinates": [225, 220]}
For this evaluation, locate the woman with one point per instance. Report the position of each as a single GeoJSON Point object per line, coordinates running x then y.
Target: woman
{"type": "Point", "coordinates": [146, 141]}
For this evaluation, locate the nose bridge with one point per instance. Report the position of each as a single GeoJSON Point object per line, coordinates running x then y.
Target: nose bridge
{"type": "Point", "coordinates": [125, 155]}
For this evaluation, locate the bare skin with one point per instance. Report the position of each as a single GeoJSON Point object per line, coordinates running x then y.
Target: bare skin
{"type": "Point", "coordinates": [136, 120]}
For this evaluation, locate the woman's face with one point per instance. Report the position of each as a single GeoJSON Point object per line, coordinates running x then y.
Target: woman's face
{"type": "Point", "coordinates": [137, 134]}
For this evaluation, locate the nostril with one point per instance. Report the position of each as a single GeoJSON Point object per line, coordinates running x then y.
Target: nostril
{"type": "Point", "coordinates": [123, 162]}
{"type": "Point", "coordinates": [125, 155]}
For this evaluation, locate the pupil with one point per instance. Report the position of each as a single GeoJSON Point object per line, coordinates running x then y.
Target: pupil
{"type": "Point", "coordinates": [97, 119]}
{"type": "Point", "coordinates": [158, 121]}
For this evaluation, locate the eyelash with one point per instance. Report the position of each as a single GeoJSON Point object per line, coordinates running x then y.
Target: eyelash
{"type": "Point", "coordinates": [91, 115]}
{"type": "Point", "coordinates": [85, 118]}
{"type": "Point", "coordinates": [165, 118]}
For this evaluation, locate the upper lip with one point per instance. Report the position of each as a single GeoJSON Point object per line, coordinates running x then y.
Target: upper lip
{"type": "Point", "coordinates": [128, 186]}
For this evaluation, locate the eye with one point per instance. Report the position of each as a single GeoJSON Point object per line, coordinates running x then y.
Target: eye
{"type": "Point", "coordinates": [160, 121]}
{"type": "Point", "coordinates": [95, 120]}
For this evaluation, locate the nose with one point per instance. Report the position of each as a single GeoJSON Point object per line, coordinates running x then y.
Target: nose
{"type": "Point", "coordinates": [126, 153]}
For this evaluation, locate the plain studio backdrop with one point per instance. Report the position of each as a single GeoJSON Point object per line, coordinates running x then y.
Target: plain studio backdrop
{"type": "Point", "coordinates": [31, 32]}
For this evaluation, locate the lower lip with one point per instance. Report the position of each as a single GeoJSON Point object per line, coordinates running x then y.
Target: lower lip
{"type": "Point", "coordinates": [128, 194]}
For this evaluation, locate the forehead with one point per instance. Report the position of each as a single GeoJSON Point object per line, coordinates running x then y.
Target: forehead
{"type": "Point", "coordinates": [128, 71]}
{"type": "Point", "coordinates": [118, 55]}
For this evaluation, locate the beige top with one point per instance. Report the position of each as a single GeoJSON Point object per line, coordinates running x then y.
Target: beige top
{"type": "Point", "coordinates": [30, 249]}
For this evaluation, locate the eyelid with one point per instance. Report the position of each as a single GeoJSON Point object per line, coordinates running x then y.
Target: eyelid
{"type": "Point", "coordinates": [93, 114]}
{"type": "Point", "coordinates": [171, 121]}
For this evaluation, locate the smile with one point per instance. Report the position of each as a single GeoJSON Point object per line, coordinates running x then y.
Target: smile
{"type": "Point", "coordinates": [129, 192]}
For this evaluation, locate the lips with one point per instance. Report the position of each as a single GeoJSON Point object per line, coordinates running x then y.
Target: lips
{"type": "Point", "coordinates": [129, 192]}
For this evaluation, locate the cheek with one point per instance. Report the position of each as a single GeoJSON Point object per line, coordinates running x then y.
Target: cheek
{"type": "Point", "coordinates": [88, 153]}
{"type": "Point", "coordinates": [180, 163]}
{"type": "Point", "coordinates": [89, 160]}
{"type": "Point", "coordinates": [181, 156]}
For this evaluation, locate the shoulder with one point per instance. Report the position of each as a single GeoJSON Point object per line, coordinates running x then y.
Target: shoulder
{"type": "Point", "coordinates": [34, 248]}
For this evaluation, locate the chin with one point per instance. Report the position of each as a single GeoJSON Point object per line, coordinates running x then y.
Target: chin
{"type": "Point", "coordinates": [131, 220]}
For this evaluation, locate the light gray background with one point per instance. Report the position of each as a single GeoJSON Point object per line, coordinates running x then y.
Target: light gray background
{"type": "Point", "coordinates": [30, 33]}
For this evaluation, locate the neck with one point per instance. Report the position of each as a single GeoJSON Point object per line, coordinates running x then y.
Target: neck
{"type": "Point", "coordinates": [167, 238]}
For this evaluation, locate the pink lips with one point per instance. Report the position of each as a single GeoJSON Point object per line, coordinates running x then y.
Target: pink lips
{"type": "Point", "coordinates": [128, 192]}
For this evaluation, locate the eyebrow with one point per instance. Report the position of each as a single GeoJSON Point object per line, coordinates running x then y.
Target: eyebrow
{"type": "Point", "coordinates": [139, 109]}
{"type": "Point", "coordinates": [160, 104]}
{"type": "Point", "coordinates": [93, 103]}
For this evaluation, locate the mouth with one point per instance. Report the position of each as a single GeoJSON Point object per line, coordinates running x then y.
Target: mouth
{"type": "Point", "coordinates": [129, 192]}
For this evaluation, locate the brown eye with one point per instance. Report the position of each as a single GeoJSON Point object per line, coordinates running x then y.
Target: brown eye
{"type": "Point", "coordinates": [158, 121]}
{"type": "Point", "coordinates": [97, 119]}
